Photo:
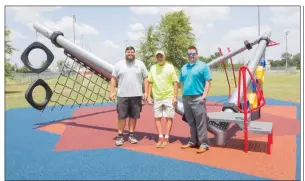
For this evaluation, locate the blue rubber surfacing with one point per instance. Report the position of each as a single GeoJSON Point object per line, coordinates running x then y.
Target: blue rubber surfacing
{"type": "Point", "coordinates": [29, 155]}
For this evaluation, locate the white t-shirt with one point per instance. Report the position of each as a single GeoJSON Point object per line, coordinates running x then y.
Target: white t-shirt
{"type": "Point", "coordinates": [130, 77]}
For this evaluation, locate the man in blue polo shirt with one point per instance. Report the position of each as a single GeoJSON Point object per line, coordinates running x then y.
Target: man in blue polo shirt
{"type": "Point", "coordinates": [195, 78]}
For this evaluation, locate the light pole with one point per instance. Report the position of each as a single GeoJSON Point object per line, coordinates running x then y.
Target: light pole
{"type": "Point", "coordinates": [74, 20]}
{"type": "Point", "coordinates": [126, 43]}
{"type": "Point", "coordinates": [286, 49]}
{"type": "Point", "coordinates": [82, 39]}
{"type": "Point", "coordinates": [258, 18]}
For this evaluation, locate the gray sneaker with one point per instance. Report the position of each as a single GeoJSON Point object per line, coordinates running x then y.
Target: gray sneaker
{"type": "Point", "coordinates": [132, 139]}
{"type": "Point", "coordinates": [119, 141]}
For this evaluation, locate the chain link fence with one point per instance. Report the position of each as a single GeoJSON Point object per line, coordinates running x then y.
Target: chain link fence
{"type": "Point", "coordinates": [268, 69]}
{"type": "Point", "coordinates": [28, 78]}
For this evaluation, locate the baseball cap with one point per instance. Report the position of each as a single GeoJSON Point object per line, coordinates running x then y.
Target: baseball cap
{"type": "Point", "coordinates": [130, 48]}
{"type": "Point", "coordinates": [160, 52]}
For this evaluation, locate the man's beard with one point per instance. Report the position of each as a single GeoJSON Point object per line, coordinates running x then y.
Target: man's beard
{"type": "Point", "coordinates": [130, 57]}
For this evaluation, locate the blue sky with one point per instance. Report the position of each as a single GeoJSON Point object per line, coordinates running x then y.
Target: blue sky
{"type": "Point", "coordinates": [105, 28]}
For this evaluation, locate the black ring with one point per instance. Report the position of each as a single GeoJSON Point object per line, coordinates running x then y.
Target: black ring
{"type": "Point", "coordinates": [248, 45]}
{"type": "Point", "coordinates": [230, 106]}
{"type": "Point", "coordinates": [54, 36]}
{"type": "Point", "coordinates": [25, 57]}
{"type": "Point", "coordinates": [29, 94]}
{"type": "Point", "coordinates": [264, 38]}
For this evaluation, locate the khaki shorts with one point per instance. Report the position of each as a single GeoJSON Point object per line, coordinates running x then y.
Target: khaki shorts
{"type": "Point", "coordinates": [164, 108]}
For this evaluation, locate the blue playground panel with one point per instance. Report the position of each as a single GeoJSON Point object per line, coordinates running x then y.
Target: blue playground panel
{"type": "Point", "coordinates": [29, 155]}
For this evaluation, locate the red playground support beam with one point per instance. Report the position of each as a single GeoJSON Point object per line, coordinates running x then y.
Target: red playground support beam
{"type": "Point", "coordinates": [224, 67]}
{"type": "Point", "coordinates": [260, 102]}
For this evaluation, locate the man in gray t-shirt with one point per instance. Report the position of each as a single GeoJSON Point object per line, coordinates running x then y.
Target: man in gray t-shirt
{"type": "Point", "coordinates": [128, 75]}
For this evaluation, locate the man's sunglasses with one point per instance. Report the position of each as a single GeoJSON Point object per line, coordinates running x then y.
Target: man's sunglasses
{"type": "Point", "coordinates": [191, 54]}
{"type": "Point", "coordinates": [159, 56]}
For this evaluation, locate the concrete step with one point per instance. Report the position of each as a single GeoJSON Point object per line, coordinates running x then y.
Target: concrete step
{"type": "Point", "coordinates": [229, 117]}
{"type": "Point", "coordinates": [260, 127]}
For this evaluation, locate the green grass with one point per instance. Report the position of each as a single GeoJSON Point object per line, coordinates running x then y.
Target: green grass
{"type": "Point", "coordinates": [282, 86]}
{"type": "Point", "coordinates": [15, 94]}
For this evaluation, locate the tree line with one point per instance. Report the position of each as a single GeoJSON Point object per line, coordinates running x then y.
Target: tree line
{"type": "Point", "coordinates": [292, 61]}
{"type": "Point", "coordinates": [173, 34]}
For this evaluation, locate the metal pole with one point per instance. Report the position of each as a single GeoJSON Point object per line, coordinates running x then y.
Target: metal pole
{"type": "Point", "coordinates": [258, 13]}
{"type": "Point", "coordinates": [82, 40]}
{"type": "Point", "coordinates": [74, 19]}
{"type": "Point", "coordinates": [231, 54]}
{"type": "Point", "coordinates": [85, 56]}
{"type": "Point", "coordinates": [259, 52]}
{"type": "Point", "coordinates": [286, 50]}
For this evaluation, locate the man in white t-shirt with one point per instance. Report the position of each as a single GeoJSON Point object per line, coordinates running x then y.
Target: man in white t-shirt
{"type": "Point", "coordinates": [129, 75]}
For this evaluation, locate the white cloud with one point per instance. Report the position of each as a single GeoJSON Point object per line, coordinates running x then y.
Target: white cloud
{"type": "Point", "coordinates": [17, 35]}
{"type": "Point", "coordinates": [286, 16]}
{"type": "Point", "coordinates": [106, 50]}
{"type": "Point", "coordinates": [136, 27]}
{"type": "Point", "coordinates": [204, 13]}
{"type": "Point", "coordinates": [28, 14]}
{"type": "Point", "coordinates": [135, 35]}
{"type": "Point", "coordinates": [145, 10]}
{"type": "Point", "coordinates": [209, 14]}
{"type": "Point", "coordinates": [135, 31]}
{"type": "Point", "coordinates": [111, 44]}
{"type": "Point", "coordinates": [201, 17]}
{"type": "Point", "coordinates": [31, 15]}
{"type": "Point", "coordinates": [198, 28]}
{"type": "Point", "coordinates": [284, 10]}
{"type": "Point", "coordinates": [210, 26]}
{"type": "Point", "coordinates": [234, 39]}
{"type": "Point", "coordinates": [65, 25]}
{"type": "Point", "coordinates": [245, 33]}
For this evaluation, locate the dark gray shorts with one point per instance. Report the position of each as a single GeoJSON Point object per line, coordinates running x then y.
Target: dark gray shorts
{"type": "Point", "coordinates": [129, 107]}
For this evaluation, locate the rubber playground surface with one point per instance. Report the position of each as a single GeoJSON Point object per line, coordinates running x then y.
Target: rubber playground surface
{"type": "Point", "coordinates": [79, 144]}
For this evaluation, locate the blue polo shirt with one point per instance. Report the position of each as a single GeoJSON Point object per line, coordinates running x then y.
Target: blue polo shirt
{"type": "Point", "coordinates": [193, 77]}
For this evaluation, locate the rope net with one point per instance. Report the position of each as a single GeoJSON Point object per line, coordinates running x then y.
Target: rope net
{"type": "Point", "coordinates": [79, 85]}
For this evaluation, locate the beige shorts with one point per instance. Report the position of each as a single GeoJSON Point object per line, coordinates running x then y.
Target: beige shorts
{"type": "Point", "coordinates": [164, 108]}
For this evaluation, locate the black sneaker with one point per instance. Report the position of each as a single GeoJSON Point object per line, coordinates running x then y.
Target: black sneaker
{"type": "Point", "coordinates": [132, 139]}
{"type": "Point", "coordinates": [119, 141]}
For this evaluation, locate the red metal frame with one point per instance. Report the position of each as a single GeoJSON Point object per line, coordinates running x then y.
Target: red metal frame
{"type": "Point", "coordinates": [272, 43]}
{"type": "Point", "coordinates": [259, 93]}
{"type": "Point", "coordinates": [260, 99]}
{"type": "Point", "coordinates": [224, 67]}
{"type": "Point", "coordinates": [270, 142]}
{"type": "Point", "coordinates": [232, 66]}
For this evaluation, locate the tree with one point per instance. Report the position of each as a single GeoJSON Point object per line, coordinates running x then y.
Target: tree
{"type": "Point", "coordinates": [43, 63]}
{"type": "Point", "coordinates": [60, 64]}
{"type": "Point", "coordinates": [296, 59]}
{"type": "Point", "coordinates": [284, 56]}
{"type": "Point", "coordinates": [292, 60]}
{"type": "Point", "coordinates": [203, 59]}
{"type": "Point", "coordinates": [173, 35]}
{"type": "Point", "coordinates": [148, 46]}
{"type": "Point", "coordinates": [9, 49]}
{"type": "Point", "coordinates": [24, 69]}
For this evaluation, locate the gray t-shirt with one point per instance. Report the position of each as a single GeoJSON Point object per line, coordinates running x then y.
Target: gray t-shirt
{"type": "Point", "coordinates": [130, 77]}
